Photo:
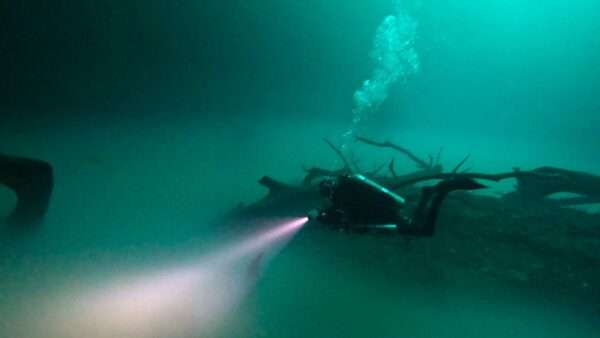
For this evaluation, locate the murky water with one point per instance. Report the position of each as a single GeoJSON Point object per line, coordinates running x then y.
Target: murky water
{"type": "Point", "coordinates": [159, 118]}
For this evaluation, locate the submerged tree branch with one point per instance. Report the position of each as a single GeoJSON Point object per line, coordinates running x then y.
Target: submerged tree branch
{"type": "Point", "coordinates": [460, 164]}
{"type": "Point", "coordinates": [393, 170]}
{"type": "Point", "coordinates": [339, 153]}
{"type": "Point", "coordinates": [445, 176]}
{"type": "Point", "coordinates": [420, 162]}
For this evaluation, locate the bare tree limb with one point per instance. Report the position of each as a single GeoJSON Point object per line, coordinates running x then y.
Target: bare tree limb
{"type": "Point", "coordinates": [354, 163]}
{"type": "Point", "coordinates": [420, 162]}
{"type": "Point", "coordinates": [460, 164]}
{"type": "Point", "coordinates": [339, 153]}
{"type": "Point", "coordinates": [392, 170]}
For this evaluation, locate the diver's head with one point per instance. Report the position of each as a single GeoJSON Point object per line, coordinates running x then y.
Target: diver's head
{"type": "Point", "coordinates": [327, 187]}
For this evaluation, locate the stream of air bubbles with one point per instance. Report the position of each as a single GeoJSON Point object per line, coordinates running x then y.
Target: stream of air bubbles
{"type": "Point", "coordinates": [394, 58]}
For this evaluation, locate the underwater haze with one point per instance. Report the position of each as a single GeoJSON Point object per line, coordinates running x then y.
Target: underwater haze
{"type": "Point", "coordinates": [160, 117]}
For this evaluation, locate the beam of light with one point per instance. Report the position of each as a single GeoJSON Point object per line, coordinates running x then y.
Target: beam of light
{"type": "Point", "coordinates": [180, 301]}
{"type": "Point", "coordinates": [283, 232]}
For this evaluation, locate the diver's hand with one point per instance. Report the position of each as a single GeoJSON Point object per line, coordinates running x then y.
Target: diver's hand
{"type": "Point", "coordinates": [312, 214]}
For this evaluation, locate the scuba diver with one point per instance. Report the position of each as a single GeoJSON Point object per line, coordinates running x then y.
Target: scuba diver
{"type": "Point", "coordinates": [359, 204]}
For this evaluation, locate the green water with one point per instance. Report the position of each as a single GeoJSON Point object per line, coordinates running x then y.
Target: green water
{"type": "Point", "coordinates": [160, 116]}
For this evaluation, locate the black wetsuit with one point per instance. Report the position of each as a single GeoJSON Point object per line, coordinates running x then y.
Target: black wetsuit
{"type": "Point", "coordinates": [365, 203]}
{"type": "Point", "coordinates": [358, 203]}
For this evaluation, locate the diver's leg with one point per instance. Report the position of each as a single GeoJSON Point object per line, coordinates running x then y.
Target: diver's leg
{"type": "Point", "coordinates": [430, 216]}
{"type": "Point", "coordinates": [426, 214]}
{"type": "Point", "coordinates": [32, 181]}
{"type": "Point", "coordinates": [421, 223]}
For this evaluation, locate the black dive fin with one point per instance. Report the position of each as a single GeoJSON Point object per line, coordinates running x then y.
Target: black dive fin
{"type": "Point", "coordinates": [427, 212]}
{"type": "Point", "coordinates": [32, 181]}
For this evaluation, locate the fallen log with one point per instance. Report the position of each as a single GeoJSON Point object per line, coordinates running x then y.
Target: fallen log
{"type": "Point", "coordinates": [550, 180]}
{"type": "Point", "coordinates": [448, 176]}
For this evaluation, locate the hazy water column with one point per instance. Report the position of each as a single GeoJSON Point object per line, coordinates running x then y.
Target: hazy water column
{"type": "Point", "coordinates": [394, 57]}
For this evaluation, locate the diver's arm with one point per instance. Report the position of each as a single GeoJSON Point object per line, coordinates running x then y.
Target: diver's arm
{"type": "Point", "coordinates": [332, 215]}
